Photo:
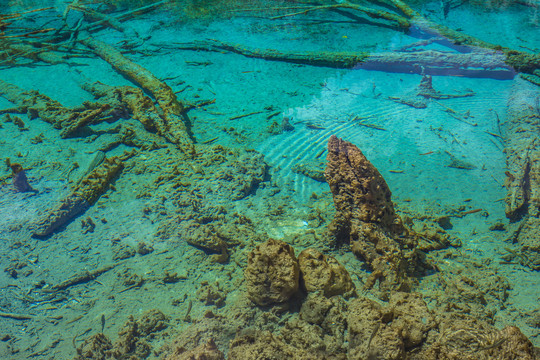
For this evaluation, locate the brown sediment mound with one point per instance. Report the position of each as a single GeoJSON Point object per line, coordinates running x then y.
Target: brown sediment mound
{"type": "Point", "coordinates": [272, 274]}
{"type": "Point", "coordinates": [205, 351]}
{"type": "Point", "coordinates": [131, 342]}
{"type": "Point", "coordinates": [334, 329]}
{"type": "Point", "coordinates": [324, 273]}
{"type": "Point", "coordinates": [365, 217]}
{"type": "Point", "coordinates": [265, 345]}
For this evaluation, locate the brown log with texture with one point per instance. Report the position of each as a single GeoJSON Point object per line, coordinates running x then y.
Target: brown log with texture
{"type": "Point", "coordinates": [365, 216]}
{"type": "Point", "coordinates": [173, 110]}
{"type": "Point", "coordinates": [521, 132]}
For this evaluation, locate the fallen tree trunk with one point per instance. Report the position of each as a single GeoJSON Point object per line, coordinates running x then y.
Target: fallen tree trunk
{"type": "Point", "coordinates": [82, 197]}
{"type": "Point", "coordinates": [176, 121]}
{"type": "Point", "coordinates": [521, 132]}
{"type": "Point", "coordinates": [477, 64]}
{"type": "Point", "coordinates": [68, 120]}
{"type": "Point", "coordinates": [414, 23]}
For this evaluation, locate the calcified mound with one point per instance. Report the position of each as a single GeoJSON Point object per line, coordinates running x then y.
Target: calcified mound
{"type": "Point", "coordinates": [365, 216]}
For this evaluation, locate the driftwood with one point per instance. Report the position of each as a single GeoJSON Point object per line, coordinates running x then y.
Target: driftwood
{"type": "Point", "coordinates": [420, 96]}
{"type": "Point", "coordinates": [139, 105]}
{"type": "Point", "coordinates": [15, 316]}
{"type": "Point", "coordinates": [83, 277]}
{"type": "Point", "coordinates": [105, 19]}
{"type": "Point", "coordinates": [475, 64]}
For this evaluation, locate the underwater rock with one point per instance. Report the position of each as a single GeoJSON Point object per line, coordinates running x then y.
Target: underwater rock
{"type": "Point", "coordinates": [457, 163]}
{"type": "Point", "coordinates": [528, 237]}
{"type": "Point", "coordinates": [365, 217]}
{"type": "Point", "coordinates": [388, 332]}
{"type": "Point", "coordinates": [206, 236]}
{"type": "Point", "coordinates": [321, 328]}
{"type": "Point", "coordinates": [211, 294]}
{"type": "Point", "coordinates": [211, 327]}
{"type": "Point", "coordinates": [272, 273]}
{"type": "Point", "coordinates": [477, 289]}
{"type": "Point", "coordinates": [130, 342]}
{"type": "Point", "coordinates": [286, 124]}
{"type": "Point", "coordinates": [324, 273]}
{"type": "Point", "coordinates": [122, 251]}
{"type": "Point", "coordinates": [144, 248]}
{"type": "Point", "coordinates": [370, 333]}
{"type": "Point", "coordinates": [470, 339]}
{"type": "Point", "coordinates": [82, 197]}
{"type": "Point", "coordinates": [406, 328]}
{"type": "Point", "coordinates": [216, 232]}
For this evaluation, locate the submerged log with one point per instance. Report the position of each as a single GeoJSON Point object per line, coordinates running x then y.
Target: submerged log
{"type": "Point", "coordinates": [139, 105]}
{"type": "Point", "coordinates": [476, 64]}
{"type": "Point", "coordinates": [69, 120]}
{"type": "Point", "coordinates": [365, 217]}
{"type": "Point", "coordinates": [521, 132]}
{"type": "Point", "coordinates": [412, 21]}
{"type": "Point", "coordinates": [176, 120]}
{"type": "Point", "coordinates": [83, 196]}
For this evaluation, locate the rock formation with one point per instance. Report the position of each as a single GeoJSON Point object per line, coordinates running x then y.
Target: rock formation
{"type": "Point", "coordinates": [272, 274]}
{"type": "Point", "coordinates": [365, 216]}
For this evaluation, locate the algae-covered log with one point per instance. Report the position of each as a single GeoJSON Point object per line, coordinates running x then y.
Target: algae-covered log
{"type": "Point", "coordinates": [69, 120]}
{"type": "Point", "coordinates": [139, 105]}
{"type": "Point", "coordinates": [522, 148]}
{"type": "Point", "coordinates": [86, 118]}
{"type": "Point", "coordinates": [413, 20]}
{"type": "Point", "coordinates": [34, 103]}
{"type": "Point", "coordinates": [82, 197]}
{"type": "Point", "coordinates": [475, 64]}
{"type": "Point", "coordinates": [365, 217]}
{"type": "Point", "coordinates": [174, 115]}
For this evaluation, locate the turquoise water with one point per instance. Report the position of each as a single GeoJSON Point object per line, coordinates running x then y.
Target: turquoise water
{"type": "Point", "coordinates": [161, 144]}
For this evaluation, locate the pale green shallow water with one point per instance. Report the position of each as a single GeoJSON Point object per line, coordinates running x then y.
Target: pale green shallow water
{"type": "Point", "coordinates": [248, 100]}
